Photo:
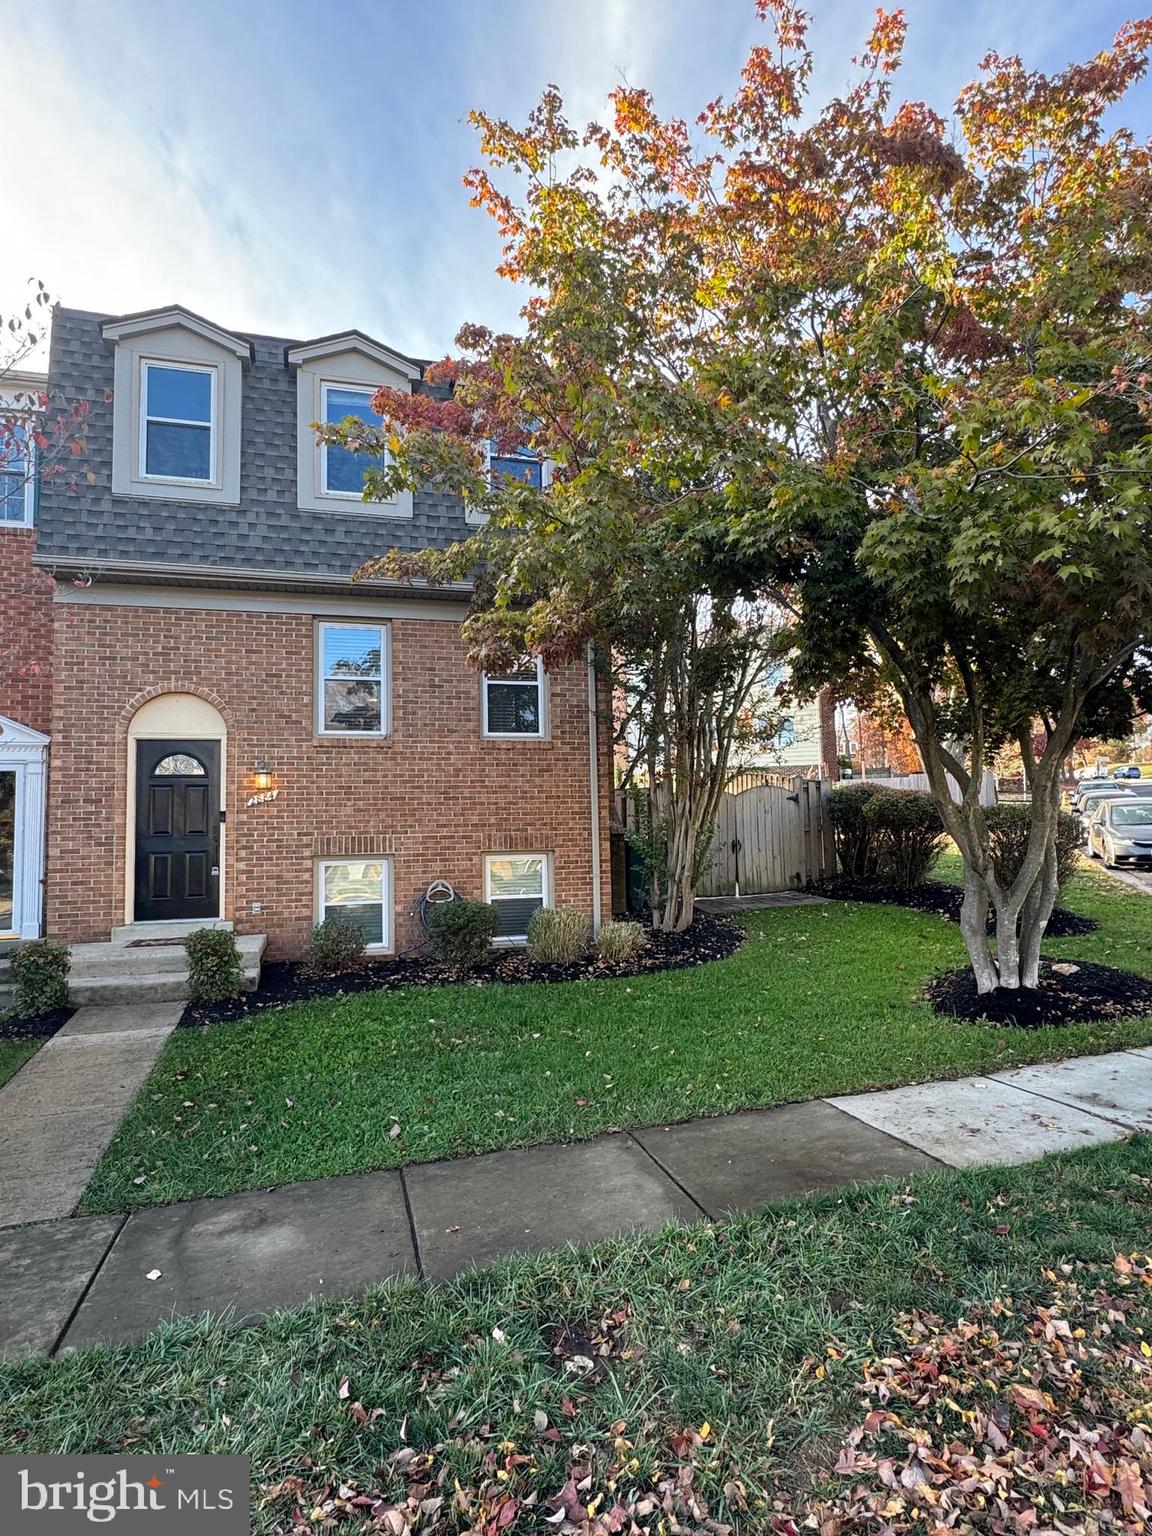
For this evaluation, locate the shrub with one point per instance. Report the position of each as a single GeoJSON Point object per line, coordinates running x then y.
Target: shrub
{"type": "Point", "coordinates": [1008, 836]}
{"type": "Point", "coordinates": [620, 943]}
{"type": "Point", "coordinates": [334, 945]}
{"type": "Point", "coordinates": [558, 935]}
{"type": "Point", "coordinates": [40, 977]}
{"type": "Point", "coordinates": [907, 835]}
{"type": "Point", "coordinates": [215, 970]}
{"type": "Point", "coordinates": [461, 932]}
{"type": "Point", "coordinates": [852, 834]}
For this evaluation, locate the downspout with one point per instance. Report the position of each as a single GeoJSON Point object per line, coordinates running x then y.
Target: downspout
{"type": "Point", "coordinates": [594, 789]}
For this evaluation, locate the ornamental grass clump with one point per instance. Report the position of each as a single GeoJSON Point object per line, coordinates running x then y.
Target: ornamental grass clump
{"type": "Point", "coordinates": [558, 935]}
{"type": "Point", "coordinates": [621, 943]}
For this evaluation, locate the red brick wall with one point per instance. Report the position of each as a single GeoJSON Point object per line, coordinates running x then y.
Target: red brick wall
{"type": "Point", "coordinates": [25, 632]}
{"type": "Point", "coordinates": [432, 794]}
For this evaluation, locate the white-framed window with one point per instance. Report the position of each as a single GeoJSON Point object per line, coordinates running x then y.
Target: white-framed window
{"type": "Point", "coordinates": [517, 884]}
{"type": "Point", "coordinates": [525, 466]}
{"type": "Point", "coordinates": [17, 479]}
{"type": "Point", "coordinates": [358, 891]}
{"type": "Point", "coordinates": [514, 704]}
{"type": "Point", "coordinates": [351, 679]}
{"type": "Point", "coordinates": [341, 470]}
{"type": "Point", "coordinates": [522, 465]}
{"type": "Point", "coordinates": [177, 422]}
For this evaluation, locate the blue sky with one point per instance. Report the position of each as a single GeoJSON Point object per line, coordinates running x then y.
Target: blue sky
{"type": "Point", "coordinates": [295, 168]}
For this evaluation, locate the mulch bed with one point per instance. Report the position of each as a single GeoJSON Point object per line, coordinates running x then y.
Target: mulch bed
{"type": "Point", "coordinates": [283, 983]}
{"type": "Point", "coordinates": [39, 1027]}
{"type": "Point", "coordinates": [944, 900]}
{"type": "Point", "coordinates": [1080, 992]}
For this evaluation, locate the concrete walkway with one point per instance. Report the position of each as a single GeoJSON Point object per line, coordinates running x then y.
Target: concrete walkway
{"type": "Point", "coordinates": [62, 1108]}
{"type": "Point", "coordinates": [105, 1279]}
{"type": "Point", "coordinates": [760, 903]}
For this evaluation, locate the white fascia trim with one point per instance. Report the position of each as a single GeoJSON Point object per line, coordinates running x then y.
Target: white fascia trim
{"type": "Point", "coordinates": [161, 319]}
{"type": "Point", "coordinates": [316, 605]}
{"type": "Point", "coordinates": [350, 341]}
{"type": "Point", "coordinates": [110, 569]}
{"type": "Point", "coordinates": [18, 385]}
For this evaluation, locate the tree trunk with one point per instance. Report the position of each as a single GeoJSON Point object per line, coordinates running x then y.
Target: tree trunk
{"type": "Point", "coordinates": [974, 928]}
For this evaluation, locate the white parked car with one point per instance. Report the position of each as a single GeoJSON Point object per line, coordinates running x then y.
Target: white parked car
{"type": "Point", "coordinates": [1120, 831]}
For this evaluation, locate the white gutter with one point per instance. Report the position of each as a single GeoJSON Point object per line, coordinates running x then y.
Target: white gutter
{"type": "Point", "coordinates": [594, 790]}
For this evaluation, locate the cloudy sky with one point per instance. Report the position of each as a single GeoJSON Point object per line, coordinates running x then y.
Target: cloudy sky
{"type": "Point", "coordinates": [295, 168]}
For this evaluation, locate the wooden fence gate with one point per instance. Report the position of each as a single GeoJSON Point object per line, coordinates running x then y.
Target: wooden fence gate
{"type": "Point", "coordinates": [773, 833]}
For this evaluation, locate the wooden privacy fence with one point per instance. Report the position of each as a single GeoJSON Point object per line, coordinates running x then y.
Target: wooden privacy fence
{"type": "Point", "coordinates": [772, 834]}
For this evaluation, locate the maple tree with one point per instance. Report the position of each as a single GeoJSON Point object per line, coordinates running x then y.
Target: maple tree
{"type": "Point", "coordinates": [883, 365]}
{"type": "Point", "coordinates": [611, 546]}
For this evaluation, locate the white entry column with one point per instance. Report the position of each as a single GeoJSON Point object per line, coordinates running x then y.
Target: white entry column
{"type": "Point", "coordinates": [24, 755]}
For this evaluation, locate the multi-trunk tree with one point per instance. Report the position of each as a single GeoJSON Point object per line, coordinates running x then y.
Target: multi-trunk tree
{"type": "Point", "coordinates": [887, 368]}
{"type": "Point", "coordinates": [614, 544]}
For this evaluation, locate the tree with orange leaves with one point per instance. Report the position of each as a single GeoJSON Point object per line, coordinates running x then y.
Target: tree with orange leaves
{"type": "Point", "coordinates": [886, 364]}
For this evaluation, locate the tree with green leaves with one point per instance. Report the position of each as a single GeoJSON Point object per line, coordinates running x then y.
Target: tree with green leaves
{"type": "Point", "coordinates": [886, 367]}
{"type": "Point", "coordinates": [594, 466]}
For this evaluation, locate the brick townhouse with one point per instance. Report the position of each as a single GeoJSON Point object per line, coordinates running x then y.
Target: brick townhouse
{"type": "Point", "coordinates": [227, 725]}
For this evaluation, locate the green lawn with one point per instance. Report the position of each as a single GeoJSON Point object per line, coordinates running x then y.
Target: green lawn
{"type": "Point", "coordinates": [13, 1055]}
{"type": "Point", "coordinates": [736, 1357]}
{"type": "Point", "coordinates": [819, 1000]}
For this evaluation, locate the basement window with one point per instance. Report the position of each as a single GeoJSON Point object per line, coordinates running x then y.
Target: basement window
{"type": "Point", "coordinates": [517, 884]}
{"type": "Point", "coordinates": [358, 892]}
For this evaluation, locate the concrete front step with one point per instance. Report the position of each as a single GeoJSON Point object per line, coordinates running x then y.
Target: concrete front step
{"type": "Point", "coordinates": [175, 930]}
{"type": "Point", "coordinates": [149, 959]}
{"type": "Point", "coordinates": [118, 973]}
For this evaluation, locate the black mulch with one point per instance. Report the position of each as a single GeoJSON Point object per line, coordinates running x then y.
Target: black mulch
{"type": "Point", "coordinates": [944, 901]}
{"type": "Point", "coordinates": [282, 983]}
{"type": "Point", "coordinates": [1081, 992]}
{"type": "Point", "coordinates": [38, 1027]}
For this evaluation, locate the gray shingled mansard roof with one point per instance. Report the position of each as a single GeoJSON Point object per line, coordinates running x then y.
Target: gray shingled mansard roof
{"type": "Point", "coordinates": [266, 538]}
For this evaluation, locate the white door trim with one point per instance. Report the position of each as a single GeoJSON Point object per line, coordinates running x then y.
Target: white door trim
{"type": "Point", "coordinates": [24, 752]}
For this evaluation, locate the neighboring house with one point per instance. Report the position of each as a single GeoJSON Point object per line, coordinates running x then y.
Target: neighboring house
{"type": "Point", "coordinates": [238, 729]}
{"type": "Point", "coordinates": [805, 742]}
{"type": "Point", "coordinates": [25, 675]}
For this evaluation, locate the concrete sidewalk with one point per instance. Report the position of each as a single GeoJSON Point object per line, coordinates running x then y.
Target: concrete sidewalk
{"type": "Point", "coordinates": [63, 1107]}
{"type": "Point", "coordinates": [65, 1285]}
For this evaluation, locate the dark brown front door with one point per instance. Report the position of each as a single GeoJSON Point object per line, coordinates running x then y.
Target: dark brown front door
{"type": "Point", "coordinates": [177, 829]}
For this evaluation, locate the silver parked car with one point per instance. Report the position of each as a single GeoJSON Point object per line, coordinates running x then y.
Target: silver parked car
{"type": "Point", "coordinates": [1120, 831]}
{"type": "Point", "coordinates": [1130, 789]}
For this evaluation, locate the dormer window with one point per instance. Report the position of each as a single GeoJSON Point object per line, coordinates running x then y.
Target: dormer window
{"type": "Point", "coordinates": [342, 471]}
{"type": "Point", "coordinates": [176, 407]}
{"type": "Point", "coordinates": [516, 466]}
{"type": "Point", "coordinates": [336, 377]}
{"type": "Point", "coordinates": [178, 428]}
